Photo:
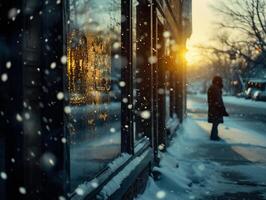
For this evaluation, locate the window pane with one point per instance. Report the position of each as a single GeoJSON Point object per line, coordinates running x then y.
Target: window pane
{"type": "Point", "coordinates": [93, 71]}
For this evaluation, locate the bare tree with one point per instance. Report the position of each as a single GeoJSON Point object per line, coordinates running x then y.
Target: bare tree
{"type": "Point", "coordinates": [245, 20]}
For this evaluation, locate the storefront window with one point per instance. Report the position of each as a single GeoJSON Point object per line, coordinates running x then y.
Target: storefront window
{"type": "Point", "coordinates": [93, 74]}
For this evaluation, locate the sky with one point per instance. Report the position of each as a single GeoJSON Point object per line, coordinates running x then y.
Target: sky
{"type": "Point", "coordinates": [202, 19]}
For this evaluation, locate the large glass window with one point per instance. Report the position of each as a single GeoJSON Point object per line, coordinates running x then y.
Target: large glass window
{"type": "Point", "coordinates": [93, 74]}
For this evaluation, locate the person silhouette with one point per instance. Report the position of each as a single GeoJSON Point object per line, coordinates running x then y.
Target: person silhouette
{"type": "Point", "coordinates": [216, 108]}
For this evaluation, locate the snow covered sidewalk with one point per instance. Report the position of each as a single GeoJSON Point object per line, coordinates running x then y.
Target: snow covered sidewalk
{"type": "Point", "coordinates": [196, 168]}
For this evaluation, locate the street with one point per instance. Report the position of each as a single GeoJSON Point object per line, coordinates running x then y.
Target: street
{"type": "Point", "coordinates": [243, 112]}
{"type": "Point", "coordinates": [196, 168]}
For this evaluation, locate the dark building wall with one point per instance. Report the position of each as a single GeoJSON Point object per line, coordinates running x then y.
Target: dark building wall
{"type": "Point", "coordinates": [33, 121]}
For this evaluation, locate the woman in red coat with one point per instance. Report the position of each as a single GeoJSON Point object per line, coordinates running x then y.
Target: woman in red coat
{"type": "Point", "coordinates": [216, 110]}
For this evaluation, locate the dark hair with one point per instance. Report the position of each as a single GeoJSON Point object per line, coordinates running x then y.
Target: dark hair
{"type": "Point", "coordinates": [217, 80]}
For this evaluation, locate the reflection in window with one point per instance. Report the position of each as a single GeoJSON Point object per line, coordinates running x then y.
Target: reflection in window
{"type": "Point", "coordinates": [93, 74]}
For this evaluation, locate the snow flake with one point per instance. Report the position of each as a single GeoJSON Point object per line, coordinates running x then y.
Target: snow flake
{"type": "Point", "coordinates": [125, 100]}
{"type": "Point", "coordinates": [4, 77]}
{"type": "Point", "coordinates": [22, 190]}
{"type": "Point", "coordinates": [3, 175]}
{"type": "Point", "coordinates": [58, 1]}
{"type": "Point", "coordinates": [27, 115]}
{"type": "Point", "coordinates": [112, 130]}
{"type": "Point", "coordinates": [116, 56]}
{"type": "Point", "coordinates": [19, 117]}
{"type": "Point", "coordinates": [145, 114]}
{"type": "Point", "coordinates": [13, 160]}
{"type": "Point", "coordinates": [161, 91]}
{"type": "Point", "coordinates": [166, 34]}
{"type": "Point", "coordinates": [94, 184]}
{"type": "Point", "coordinates": [67, 109]}
{"type": "Point", "coordinates": [63, 60]}
{"type": "Point", "coordinates": [116, 45]}
{"type": "Point", "coordinates": [80, 191]}
{"type": "Point", "coordinates": [53, 65]}
{"type": "Point", "coordinates": [130, 106]}
{"type": "Point", "coordinates": [8, 64]}
{"type": "Point", "coordinates": [122, 83]}
{"type": "Point", "coordinates": [60, 95]}
{"type": "Point", "coordinates": [61, 198]}
{"type": "Point", "coordinates": [51, 162]}
{"type": "Point", "coordinates": [161, 194]}
{"type": "Point", "coordinates": [12, 13]}
{"type": "Point", "coordinates": [63, 140]}
{"type": "Point", "coordinates": [161, 147]}
{"type": "Point", "coordinates": [48, 161]}
{"type": "Point", "coordinates": [152, 59]}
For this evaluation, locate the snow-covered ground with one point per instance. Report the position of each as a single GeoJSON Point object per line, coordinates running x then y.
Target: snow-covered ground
{"type": "Point", "coordinates": [237, 101]}
{"type": "Point", "coordinates": [196, 168]}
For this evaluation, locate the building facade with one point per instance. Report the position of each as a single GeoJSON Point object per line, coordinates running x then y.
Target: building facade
{"type": "Point", "coordinates": [91, 90]}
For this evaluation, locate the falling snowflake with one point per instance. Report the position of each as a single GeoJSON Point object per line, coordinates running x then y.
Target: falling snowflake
{"type": "Point", "coordinates": [22, 190]}
{"type": "Point", "coordinates": [145, 114]}
{"type": "Point", "coordinates": [27, 115]}
{"type": "Point", "coordinates": [166, 34]}
{"type": "Point", "coordinates": [112, 130]}
{"type": "Point", "coordinates": [64, 60]}
{"type": "Point", "coordinates": [53, 65]}
{"type": "Point", "coordinates": [8, 64]}
{"type": "Point", "coordinates": [67, 109]}
{"type": "Point", "coordinates": [122, 83]}
{"type": "Point", "coordinates": [152, 59]}
{"type": "Point", "coordinates": [63, 140]}
{"type": "Point", "coordinates": [116, 45]}
{"type": "Point", "coordinates": [94, 184]}
{"type": "Point", "coordinates": [51, 162]}
{"type": "Point", "coordinates": [61, 198]}
{"type": "Point", "coordinates": [3, 175]}
{"type": "Point", "coordinates": [19, 117]}
{"type": "Point", "coordinates": [60, 95]}
{"type": "Point", "coordinates": [161, 194]}
{"type": "Point", "coordinates": [4, 77]}
{"type": "Point", "coordinates": [48, 161]}
{"type": "Point", "coordinates": [125, 100]}
{"type": "Point", "coordinates": [12, 13]}
{"type": "Point", "coordinates": [161, 147]}
{"type": "Point", "coordinates": [80, 191]}
{"type": "Point", "coordinates": [161, 91]}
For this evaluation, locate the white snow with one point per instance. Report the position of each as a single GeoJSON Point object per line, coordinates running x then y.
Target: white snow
{"type": "Point", "coordinates": [237, 101]}
{"type": "Point", "coordinates": [194, 167]}
{"type": "Point", "coordinates": [116, 181]}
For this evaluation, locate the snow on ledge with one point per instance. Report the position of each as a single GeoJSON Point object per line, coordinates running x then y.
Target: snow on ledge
{"type": "Point", "coordinates": [84, 189]}
{"type": "Point", "coordinates": [117, 180]}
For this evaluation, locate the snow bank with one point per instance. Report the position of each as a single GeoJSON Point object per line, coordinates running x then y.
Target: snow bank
{"type": "Point", "coordinates": [116, 181]}
{"type": "Point", "coordinates": [192, 168]}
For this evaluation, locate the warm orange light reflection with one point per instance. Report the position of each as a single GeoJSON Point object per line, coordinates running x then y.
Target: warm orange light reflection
{"type": "Point", "coordinates": [188, 57]}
